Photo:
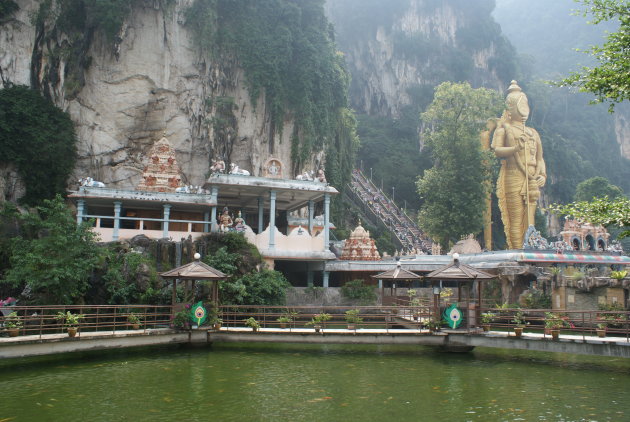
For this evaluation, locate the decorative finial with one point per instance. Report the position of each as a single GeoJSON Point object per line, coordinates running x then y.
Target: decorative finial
{"type": "Point", "coordinates": [197, 256]}
{"type": "Point", "coordinates": [455, 257]}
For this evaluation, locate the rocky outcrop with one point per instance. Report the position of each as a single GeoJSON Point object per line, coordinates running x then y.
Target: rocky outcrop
{"type": "Point", "coordinates": [419, 44]}
{"type": "Point", "coordinates": [153, 80]}
{"type": "Point", "coordinates": [622, 129]}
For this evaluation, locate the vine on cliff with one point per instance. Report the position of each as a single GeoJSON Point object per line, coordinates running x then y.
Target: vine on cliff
{"type": "Point", "coordinates": [79, 21]}
{"type": "Point", "coordinates": [39, 139]}
{"type": "Point", "coordinates": [288, 53]}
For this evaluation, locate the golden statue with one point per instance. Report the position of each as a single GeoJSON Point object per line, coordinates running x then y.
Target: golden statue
{"type": "Point", "coordinates": [523, 170]}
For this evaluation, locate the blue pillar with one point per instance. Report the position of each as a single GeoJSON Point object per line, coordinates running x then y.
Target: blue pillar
{"type": "Point", "coordinates": [260, 215]}
{"type": "Point", "coordinates": [167, 215]}
{"type": "Point", "coordinates": [206, 219]}
{"type": "Point", "coordinates": [213, 217]}
{"type": "Point", "coordinates": [311, 211]}
{"type": "Point", "coordinates": [272, 219]}
{"type": "Point", "coordinates": [117, 207]}
{"type": "Point", "coordinates": [326, 274]}
{"type": "Point", "coordinates": [80, 211]}
{"type": "Point", "coordinates": [309, 278]}
{"type": "Point", "coordinates": [326, 221]}
{"type": "Point", "coordinates": [380, 284]}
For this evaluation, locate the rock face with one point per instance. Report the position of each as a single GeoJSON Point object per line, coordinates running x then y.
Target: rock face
{"type": "Point", "coordinates": [154, 81]}
{"type": "Point", "coordinates": [415, 45]}
{"type": "Point", "coordinates": [622, 129]}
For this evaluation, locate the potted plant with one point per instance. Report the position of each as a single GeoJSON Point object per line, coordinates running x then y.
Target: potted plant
{"type": "Point", "coordinates": [286, 318]}
{"type": "Point", "coordinates": [134, 319]}
{"type": "Point", "coordinates": [70, 321]}
{"type": "Point", "coordinates": [433, 324]}
{"type": "Point", "coordinates": [486, 319]}
{"type": "Point", "coordinates": [318, 320]}
{"type": "Point", "coordinates": [251, 322]}
{"type": "Point", "coordinates": [181, 320]}
{"type": "Point", "coordinates": [519, 323]}
{"type": "Point", "coordinates": [618, 276]}
{"type": "Point", "coordinates": [214, 320]}
{"type": "Point", "coordinates": [13, 323]}
{"type": "Point", "coordinates": [352, 318]}
{"type": "Point", "coordinates": [601, 329]}
{"type": "Point", "coordinates": [553, 323]}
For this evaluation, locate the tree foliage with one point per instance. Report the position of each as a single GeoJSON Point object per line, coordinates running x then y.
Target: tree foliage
{"type": "Point", "coordinates": [609, 79]}
{"type": "Point", "coordinates": [39, 139]}
{"type": "Point", "coordinates": [453, 191]}
{"type": "Point", "coordinates": [596, 187]}
{"type": "Point", "coordinates": [240, 260]}
{"type": "Point", "coordinates": [604, 211]}
{"type": "Point", "coordinates": [52, 257]}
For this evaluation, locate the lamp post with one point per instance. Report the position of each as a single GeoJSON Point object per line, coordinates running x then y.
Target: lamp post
{"type": "Point", "coordinates": [370, 174]}
{"type": "Point", "coordinates": [394, 195]}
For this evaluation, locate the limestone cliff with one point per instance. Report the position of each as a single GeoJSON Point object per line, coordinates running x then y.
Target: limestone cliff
{"type": "Point", "coordinates": [398, 50]}
{"type": "Point", "coordinates": [152, 79]}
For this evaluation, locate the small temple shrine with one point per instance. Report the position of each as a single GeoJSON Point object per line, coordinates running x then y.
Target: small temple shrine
{"type": "Point", "coordinates": [585, 236]}
{"type": "Point", "coordinates": [162, 173]}
{"type": "Point", "coordinates": [360, 246]}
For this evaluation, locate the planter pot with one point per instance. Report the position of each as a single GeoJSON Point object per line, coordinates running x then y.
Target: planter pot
{"type": "Point", "coordinates": [13, 332]}
{"type": "Point", "coordinates": [217, 326]}
{"type": "Point", "coordinates": [486, 327]}
{"type": "Point", "coordinates": [352, 327]}
{"type": "Point", "coordinates": [255, 329]}
{"type": "Point", "coordinates": [135, 326]}
{"type": "Point", "coordinates": [547, 331]}
{"type": "Point", "coordinates": [72, 331]}
{"type": "Point", "coordinates": [518, 331]}
{"type": "Point", "coordinates": [283, 325]}
{"type": "Point", "coordinates": [555, 334]}
{"type": "Point", "coordinates": [317, 328]}
{"type": "Point", "coordinates": [601, 332]}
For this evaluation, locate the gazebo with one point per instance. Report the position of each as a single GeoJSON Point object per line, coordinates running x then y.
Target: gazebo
{"type": "Point", "coordinates": [396, 274]}
{"type": "Point", "coordinates": [193, 271]}
{"type": "Point", "coordinates": [462, 274]}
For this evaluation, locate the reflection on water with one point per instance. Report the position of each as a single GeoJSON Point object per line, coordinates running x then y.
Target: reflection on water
{"type": "Point", "coordinates": [315, 383]}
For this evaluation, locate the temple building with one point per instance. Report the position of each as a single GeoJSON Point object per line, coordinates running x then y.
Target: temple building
{"type": "Point", "coordinates": [161, 208]}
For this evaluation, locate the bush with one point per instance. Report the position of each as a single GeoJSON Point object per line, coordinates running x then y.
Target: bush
{"type": "Point", "coordinates": [356, 290]}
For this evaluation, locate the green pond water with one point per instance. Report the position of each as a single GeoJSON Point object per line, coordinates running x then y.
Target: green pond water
{"type": "Point", "coordinates": [314, 383]}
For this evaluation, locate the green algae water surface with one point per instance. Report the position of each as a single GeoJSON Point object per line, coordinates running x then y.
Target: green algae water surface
{"type": "Point", "coordinates": [314, 383]}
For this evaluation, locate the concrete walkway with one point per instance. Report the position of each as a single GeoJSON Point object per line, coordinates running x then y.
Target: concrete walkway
{"type": "Point", "coordinates": [48, 344]}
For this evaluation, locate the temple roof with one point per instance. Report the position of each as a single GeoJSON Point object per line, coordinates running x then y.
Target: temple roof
{"type": "Point", "coordinates": [195, 270]}
{"type": "Point", "coordinates": [457, 271]}
{"type": "Point", "coordinates": [397, 273]}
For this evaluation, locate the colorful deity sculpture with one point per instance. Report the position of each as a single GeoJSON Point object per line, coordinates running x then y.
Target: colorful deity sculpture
{"type": "Point", "coordinates": [523, 170]}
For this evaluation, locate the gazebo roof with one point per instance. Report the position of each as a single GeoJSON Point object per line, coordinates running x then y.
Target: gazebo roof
{"type": "Point", "coordinates": [397, 273]}
{"type": "Point", "coordinates": [195, 270]}
{"type": "Point", "coordinates": [456, 271]}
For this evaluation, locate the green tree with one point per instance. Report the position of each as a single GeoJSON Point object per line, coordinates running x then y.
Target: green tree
{"type": "Point", "coordinates": [609, 80]}
{"type": "Point", "coordinates": [39, 139]}
{"type": "Point", "coordinates": [53, 257]}
{"type": "Point", "coordinates": [604, 211]}
{"type": "Point", "coordinates": [596, 187]}
{"type": "Point", "coordinates": [453, 191]}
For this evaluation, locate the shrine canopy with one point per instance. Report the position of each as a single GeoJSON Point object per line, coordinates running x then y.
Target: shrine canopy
{"type": "Point", "coordinates": [458, 272]}
{"type": "Point", "coordinates": [195, 270]}
{"type": "Point", "coordinates": [397, 273]}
